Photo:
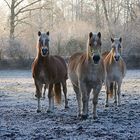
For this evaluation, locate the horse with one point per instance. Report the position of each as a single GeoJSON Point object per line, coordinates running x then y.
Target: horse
{"type": "Point", "coordinates": [87, 72]}
{"type": "Point", "coordinates": [50, 71]}
{"type": "Point", "coordinates": [115, 69]}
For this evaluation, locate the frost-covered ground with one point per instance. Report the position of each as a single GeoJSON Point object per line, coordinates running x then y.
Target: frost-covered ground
{"type": "Point", "coordinates": [19, 120]}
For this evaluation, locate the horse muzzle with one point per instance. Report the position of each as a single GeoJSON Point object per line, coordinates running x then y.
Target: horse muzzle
{"type": "Point", "coordinates": [96, 59]}
{"type": "Point", "coordinates": [45, 51]}
{"type": "Point", "coordinates": [117, 58]}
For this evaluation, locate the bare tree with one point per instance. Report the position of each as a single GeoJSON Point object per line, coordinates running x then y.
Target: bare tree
{"type": "Point", "coordinates": [17, 9]}
{"type": "Point", "coordinates": [107, 17]}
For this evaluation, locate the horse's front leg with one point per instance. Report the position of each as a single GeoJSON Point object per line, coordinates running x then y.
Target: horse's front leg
{"type": "Point", "coordinates": [85, 98]}
{"type": "Point", "coordinates": [39, 86]}
{"type": "Point", "coordinates": [115, 91]}
{"type": "Point", "coordinates": [96, 92]}
{"type": "Point", "coordinates": [51, 98]}
{"type": "Point", "coordinates": [79, 100]}
{"type": "Point", "coordinates": [119, 93]}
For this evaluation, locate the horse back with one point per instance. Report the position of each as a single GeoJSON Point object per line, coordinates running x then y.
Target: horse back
{"type": "Point", "coordinates": [105, 54]}
{"type": "Point", "coordinates": [75, 60]}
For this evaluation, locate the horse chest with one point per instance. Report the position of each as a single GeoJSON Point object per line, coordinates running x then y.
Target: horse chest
{"type": "Point", "coordinates": [116, 73]}
{"type": "Point", "coordinates": [43, 76]}
{"type": "Point", "coordinates": [92, 75]}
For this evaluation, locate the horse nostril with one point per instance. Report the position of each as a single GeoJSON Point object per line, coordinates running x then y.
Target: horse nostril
{"type": "Point", "coordinates": [96, 58]}
{"type": "Point", "coordinates": [44, 51]}
{"type": "Point", "coordinates": [117, 58]}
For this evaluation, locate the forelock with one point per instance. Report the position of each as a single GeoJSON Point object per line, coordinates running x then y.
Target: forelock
{"type": "Point", "coordinates": [95, 36]}
{"type": "Point", "coordinates": [117, 40]}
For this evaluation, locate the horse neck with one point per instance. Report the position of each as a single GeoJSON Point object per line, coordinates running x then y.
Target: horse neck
{"type": "Point", "coordinates": [42, 59]}
{"type": "Point", "coordinates": [88, 57]}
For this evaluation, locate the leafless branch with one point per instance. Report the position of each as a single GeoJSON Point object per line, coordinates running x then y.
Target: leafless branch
{"type": "Point", "coordinates": [18, 3]}
{"type": "Point", "coordinates": [31, 9]}
{"type": "Point", "coordinates": [20, 10]}
{"type": "Point", "coordinates": [21, 19]}
{"type": "Point", "coordinates": [7, 4]}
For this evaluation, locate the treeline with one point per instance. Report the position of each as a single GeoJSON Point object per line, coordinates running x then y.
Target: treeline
{"type": "Point", "coordinates": [69, 22]}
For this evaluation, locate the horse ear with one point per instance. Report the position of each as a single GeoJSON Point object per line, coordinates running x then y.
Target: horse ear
{"type": "Point", "coordinates": [48, 33]}
{"type": "Point", "coordinates": [39, 33]}
{"type": "Point", "coordinates": [120, 39]}
{"type": "Point", "coordinates": [112, 40]}
{"type": "Point", "coordinates": [90, 34]}
{"type": "Point", "coordinates": [99, 34]}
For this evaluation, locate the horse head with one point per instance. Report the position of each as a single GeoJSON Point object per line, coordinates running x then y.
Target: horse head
{"type": "Point", "coordinates": [94, 46]}
{"type": "Point", "coordinates": [43, 43]}
{"type": "Point", "coordinates": [116, 48]}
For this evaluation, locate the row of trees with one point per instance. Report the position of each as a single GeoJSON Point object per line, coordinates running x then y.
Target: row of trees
{"type": "Point", "coordinates": [69, 22]}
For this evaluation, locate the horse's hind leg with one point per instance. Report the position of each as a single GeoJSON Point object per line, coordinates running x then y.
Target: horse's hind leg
{"type": "Point", "coordinates": [45, 87]}
{"type": "Point", "coordinates": [51, 98]}
{"type": "Point", "coordinates": [79, 100]}
{"type": "Point", "coordinates": [107, 94]}
{"type": "Point", "coordinates": [38, 94]}
{"type": "Point", "coordinates": [64, 85]}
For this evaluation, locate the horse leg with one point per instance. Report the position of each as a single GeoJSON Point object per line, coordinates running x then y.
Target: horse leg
{"type": "Point", "coordinates": [95, 100]}
{"type": "Point", "coordinates": [115, 96]}
{"type": "Point", "coordinates": [79, 100]}
{"type": "Point", "coordinates": [64, 85]}
{"type": "Point", "coordinates": [45, 87]}
{"type": "Point", "coordinates": [51, 98]}
{"type": "Point", "coordinates": [119, 92]}
{"type": "Point", "coordinates": [85, 98]}
{"type": "Point", "coordinates": [38, 94]}
{"type": "Point", "coordinates": [107, 93]}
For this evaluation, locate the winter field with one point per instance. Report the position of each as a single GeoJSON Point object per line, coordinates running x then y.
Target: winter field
{"type": "Point", "coordinates": [20, 121]}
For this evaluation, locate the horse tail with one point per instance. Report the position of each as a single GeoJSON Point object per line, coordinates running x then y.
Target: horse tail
{"type": "Point", "coordinates": [111, 90]}
{"type": "Point", "coordinates": [57, 93]}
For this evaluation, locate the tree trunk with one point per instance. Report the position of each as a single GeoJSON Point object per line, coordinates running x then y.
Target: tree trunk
{"type": "Point", "coordinates": [12, 21]}
{"type": "Point", "coordinates": [98, 22]}
{"type": "Point", "coordinates": [107, 18]}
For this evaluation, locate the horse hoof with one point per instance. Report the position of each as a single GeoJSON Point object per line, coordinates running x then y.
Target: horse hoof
{"type": "Point", "coordinates": [95, 117]}
{"type": "Point", "coordinates": [38, 111]}
{"type": "Point", "coordinates": [49, 111]}
{"type": "Point", "coordinates": [79, 116]}
{"type": "Point", "coordinates": [106, 105]}
{"type": "Point", "coordinates": [84, 117]}
{"type": "Point", "coordinates": [66, 107]}
{"type": "Point", "coordinates": [115, 102]}
{"type": "Point", "coordinates": [119, 105]}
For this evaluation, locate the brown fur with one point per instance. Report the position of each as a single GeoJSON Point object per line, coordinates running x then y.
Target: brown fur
{"type": "Point", "coordinates": [105, 54]}
{"type": "Point", "coordinates": [57, 92]}
{"type": "Point", "coordinates": [52, 71]}
{"type": "Point", "coordinates": [85, 76]}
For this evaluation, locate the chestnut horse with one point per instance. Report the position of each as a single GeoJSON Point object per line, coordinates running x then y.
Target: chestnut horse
{"type": "Point", "coordinates": [115, 68]}
{"type": "Point", "coordinates": [50, 71]}
{"type": "Point", "coordinates": [86, 71]}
